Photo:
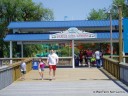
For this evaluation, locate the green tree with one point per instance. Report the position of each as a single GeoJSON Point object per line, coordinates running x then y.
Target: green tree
{"type": "Point", "coordinates": [67, 51]}
{"type": "Point", "coordinates": [114, 8]}
{"type": "Point", "coordinates": [20, 10]}
{"type": "Point", "coordinates": [97, 15]}
{"type": "Point", "coordinates": [101, 13]}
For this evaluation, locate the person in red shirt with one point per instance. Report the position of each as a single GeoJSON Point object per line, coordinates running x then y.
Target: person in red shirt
{"type": "Point", "coordinates": [89, 56]}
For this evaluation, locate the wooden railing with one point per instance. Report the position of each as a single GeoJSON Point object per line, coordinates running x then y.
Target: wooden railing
{"type": "Point", "coordinates": [16, 68]}
{"type": "Point", "coordinates": [124, 72]}
{"type": "Point", "coordinates": [63, 61]}
{"type": "Point", "coordinates": [124, 57]}
{"type": "Point", "coordinates": [112, 66]}
{"type": "Point", "coordinates": [11, 72]}
{"type": "Point", "coordinates": [6, 61]}
{"type": "Point", "coordinates": [118, 70]}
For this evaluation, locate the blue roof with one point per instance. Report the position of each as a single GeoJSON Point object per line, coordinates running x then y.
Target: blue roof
{"type": "Point", "coordinates": [26, 37]}
{"type": "Point", "coordinates": [103, 35]}
{"type": "Point", "coordinates": [62, 24]}
{"type": "Point", "coordinates": [45, 37]}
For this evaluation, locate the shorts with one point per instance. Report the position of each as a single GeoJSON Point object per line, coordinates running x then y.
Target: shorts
{"type": "Point", "coordinates": [52, 67]}
{"type": "Point", "coordinates": [23, 72]}
{"type": "Point", "coordinates": [41, 69]}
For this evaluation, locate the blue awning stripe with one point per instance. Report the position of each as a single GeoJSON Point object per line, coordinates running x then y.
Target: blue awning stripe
{"type": "Point", "coordinates": [44, 37]}
{"type": "Point", "coordinates": [115, 35]}
{"type": "Point", "coordinates": [26, 37]}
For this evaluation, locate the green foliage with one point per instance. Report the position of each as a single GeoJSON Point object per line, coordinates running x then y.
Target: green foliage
{"type": "Point", "coordinates": [20, 10]}
{"type": "Point", "coordinates": [101, 14]}
{"type": "Point", "coordinates": [114, 9]}
{"type": "Point", "coordinates": [23, 10]}
{"type": "Point", "coordinates": [34, 50]}
{"type": "Point", "coordinates": [67, 51]}
{"type": "Point", "coordinates": [97, 15]}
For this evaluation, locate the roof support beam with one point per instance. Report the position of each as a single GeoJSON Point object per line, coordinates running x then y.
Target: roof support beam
{"type": "Point", "coordinates": [11, 51]}
{"type": "Point", "coordinates": [22, 52]}
{"type": "Point", "coordinates": [73, 63]}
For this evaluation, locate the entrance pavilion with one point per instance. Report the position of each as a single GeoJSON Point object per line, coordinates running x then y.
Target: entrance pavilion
{"type": "Point", "coordinates": [92, 31]}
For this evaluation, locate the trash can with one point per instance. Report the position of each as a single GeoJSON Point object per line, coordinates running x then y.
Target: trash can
{"type": "Point", "coordinates": [76, 61]}
{"type": "Point", "coordinates": [35, 65]}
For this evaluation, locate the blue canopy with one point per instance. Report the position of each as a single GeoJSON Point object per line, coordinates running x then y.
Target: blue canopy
{"type": "Point", "coordinates": [45, 37]}
{"type": "Point", "coordinates": [62, 24]}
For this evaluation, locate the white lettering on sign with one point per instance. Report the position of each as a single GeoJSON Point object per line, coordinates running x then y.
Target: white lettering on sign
{"type": "Point", "coordinates": [73, 33]}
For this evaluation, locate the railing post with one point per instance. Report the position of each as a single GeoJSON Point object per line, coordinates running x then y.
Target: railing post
{"type": "Point", "coordinates": [120, 34]}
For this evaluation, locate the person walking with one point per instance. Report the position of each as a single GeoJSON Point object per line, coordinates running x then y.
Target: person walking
{"type": "Point", "coordinates": [97, 56]}
{"type": "Point", "coordinates": [89, 56]}
{"type": "Point", "coordinates": [81, 58]}
{"type": "Point", "coordinates": [23, 69]}
{"type": "Point", "coordinates": [41, 66]}
{"type": "Point", "coordinates": [101, 58]}
{"type": "Point", "coordinates": [52, 60]}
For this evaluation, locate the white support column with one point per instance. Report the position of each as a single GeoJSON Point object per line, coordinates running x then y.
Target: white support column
{"type": "Point", "coordinates": [22, 52]}
{"type": "Point", "coordinates": [73, 63]}
{"type": "Point", "coordinates": [11, 51]}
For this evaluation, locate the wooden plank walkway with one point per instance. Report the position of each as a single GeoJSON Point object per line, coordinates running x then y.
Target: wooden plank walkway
{"type": "Point", "coordinates": [69, 82]}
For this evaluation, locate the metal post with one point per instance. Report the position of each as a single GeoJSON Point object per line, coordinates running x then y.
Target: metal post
{"type": "Point", "coordinates": [22, 52]}
{"type": "Point", "coordinates": [11, 52]}
{"type": "Point", "coordinates": [111, 42]}
{"type": "Point", "coordinates": [73, 63]}
{"type": "Point", "coordinates": [120, 33]}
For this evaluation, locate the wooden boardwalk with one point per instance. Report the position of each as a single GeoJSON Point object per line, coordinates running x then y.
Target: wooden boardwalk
{"type": "Point", "coordinates": [69, 82]}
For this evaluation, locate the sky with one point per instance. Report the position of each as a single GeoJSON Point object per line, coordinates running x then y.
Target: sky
{"type": "Point", "coordinates": [73, 9]}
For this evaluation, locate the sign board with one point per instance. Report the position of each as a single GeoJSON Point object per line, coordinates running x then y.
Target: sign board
{"type": "Point", "coordinates": [73, 33]}
{"type": "Point", "coordinates": [125, 34]}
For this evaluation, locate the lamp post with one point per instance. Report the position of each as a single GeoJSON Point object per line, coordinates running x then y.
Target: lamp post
{"type": "Point", "coordinates": [120, 33]}
{"type": "Point", "coordinates": [111, 42]}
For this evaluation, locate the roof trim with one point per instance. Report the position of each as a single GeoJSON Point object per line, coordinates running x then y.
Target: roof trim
{"type": "Point", "coordinates": [61, 24]}
{"type": "Point", "coordinates": [45, 37]}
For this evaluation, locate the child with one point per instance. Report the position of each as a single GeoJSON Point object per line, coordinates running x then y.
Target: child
{"type": "Point", "coordinates": [41, 66]}
{"type": "Point", "coordinates": [23, 69]}
{"type": "Point", "coordinates": [93, 60]}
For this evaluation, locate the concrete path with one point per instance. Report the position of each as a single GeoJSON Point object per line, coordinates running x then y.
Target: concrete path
{"type": "Point", "coordinates": [69, 82]}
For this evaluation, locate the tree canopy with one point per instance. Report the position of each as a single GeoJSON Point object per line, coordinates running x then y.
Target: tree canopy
{"type": "Point", "coordinates": [20, 10]}
{"type": "Point", "coordinates": [97, 15]}
{"type": "Point", "coordinates": [113, 8]}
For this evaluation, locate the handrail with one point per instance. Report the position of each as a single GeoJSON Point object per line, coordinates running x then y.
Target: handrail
{"type": "Point", "coordinates": [124, 57]}
{"type": "Point", "coordinates": [123, 72]}
{"type": "Point", "coordinates": [16, 68]}
{"type": "Point", "coordinates": [112, 66]}
{"type": "Point", "coordinates": [63, 61]}
{"type": "Point", "coordinates": [6, 61]}
{"type": "Point", "coordinates": [12, 72]}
